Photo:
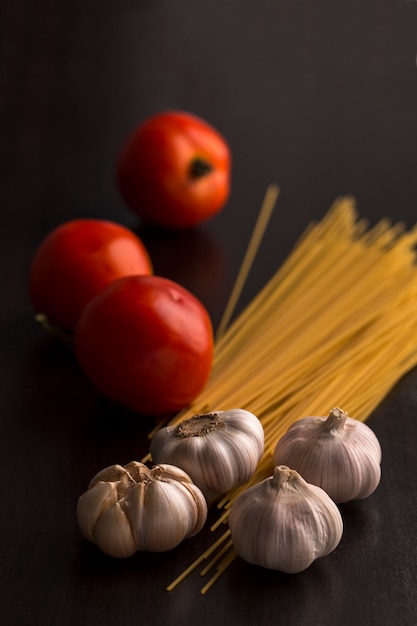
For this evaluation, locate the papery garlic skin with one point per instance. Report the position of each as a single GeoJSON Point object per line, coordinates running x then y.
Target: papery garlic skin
{"type": "Point", "coordinates": [339, 454]}
{"type": "Point", "coordinates": [284, 523]}
{"type": "Point", "coordinates": [219, 450]}
{"type": "Point", "coordinates": [131, 508]}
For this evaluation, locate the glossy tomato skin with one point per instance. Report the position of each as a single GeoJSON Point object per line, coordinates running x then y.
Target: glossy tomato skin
{"type": "Point", "coordinates": [174, 170]}
{"type": "Point", "coordinates": [146, 343]}
{"type": "Point", "coordinates": [76, 261]}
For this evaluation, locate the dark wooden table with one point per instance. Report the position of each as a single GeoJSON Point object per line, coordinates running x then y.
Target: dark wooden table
{"type": "Point", "coordinates": [318, 96]}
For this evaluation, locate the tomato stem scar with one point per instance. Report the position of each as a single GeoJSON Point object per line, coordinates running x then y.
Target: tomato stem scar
{"type": "Point", "coordinates": [199, 168]}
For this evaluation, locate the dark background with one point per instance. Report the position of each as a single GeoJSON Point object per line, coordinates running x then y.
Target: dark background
{"type": "Point", "coordinates": [320, 97]}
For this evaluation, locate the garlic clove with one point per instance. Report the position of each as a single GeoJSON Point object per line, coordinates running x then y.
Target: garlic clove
{"type": "Point", "coordinates": [113, 533]}
{"type": "Point", "coordinates": [160, 522]}
{"type": "Point", "coordinates": [340, 454]}
{"type": "Point", "coordinates": [200, 509]}
{"type": "Point", "coordinates": [92, 504]}
{"type": "Point", "coordinates": [284, 523]}
{"type": "Point", "coordinates": [137, 471]}
{"type": "Point", "coordinates": [113, 473]}
{"type": "Point", "coordinates": [169, 472]}
{"type": "Point", "coordinates": [219, 450]}
{"type": "Point", "coordinates": [166, 471]}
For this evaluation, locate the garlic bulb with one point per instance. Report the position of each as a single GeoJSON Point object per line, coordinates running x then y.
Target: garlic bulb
{"type": "Point", "coordinates": [218, 450]}
{"type": "Point", "coordinates": [340, 454]}
{"type": "Point", "coordinates": [132, 508]}
{"type": "Point", "coordinates": [284, 523]}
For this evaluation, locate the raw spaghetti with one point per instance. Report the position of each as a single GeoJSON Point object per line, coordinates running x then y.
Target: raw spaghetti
{"type": "Point", "coordinates": [336, 325]}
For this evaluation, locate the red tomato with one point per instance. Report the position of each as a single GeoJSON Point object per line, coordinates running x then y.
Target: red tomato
{"type": "Point", "coordinates": [76, 261]}
{"type": "Point", "coordinates": [147, 343]}
{"type": "Point", "coordinates": [174, 170]}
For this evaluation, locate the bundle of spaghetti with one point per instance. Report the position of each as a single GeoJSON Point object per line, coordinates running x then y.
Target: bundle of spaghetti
{"type": "Point", "coordinates": [336, 325]}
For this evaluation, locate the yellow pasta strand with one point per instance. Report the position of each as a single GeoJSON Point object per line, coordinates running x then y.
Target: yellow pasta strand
{"type": "Point", "coordinates": [260, 226]}
{"type": "Point", "coordinates": [200, 559]}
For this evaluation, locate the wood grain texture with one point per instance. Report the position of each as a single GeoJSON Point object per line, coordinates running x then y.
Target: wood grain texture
{"type": "Point", "coordinates": [319, 97]}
